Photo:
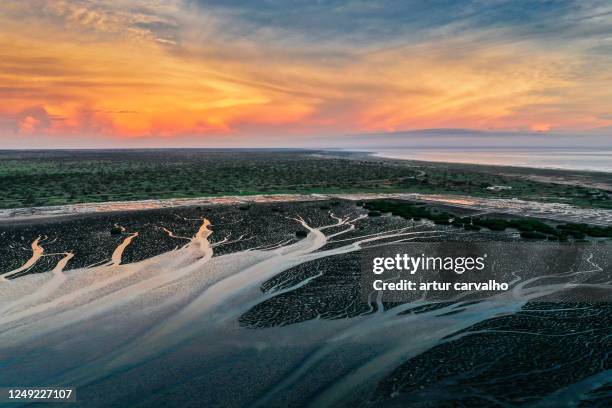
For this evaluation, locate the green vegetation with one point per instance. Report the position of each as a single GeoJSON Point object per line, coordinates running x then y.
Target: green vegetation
{"type": "Point", "coordinates": [532, 235]}
{"type": "Point", "coordinates": [53, 178]}
{"type": "Point", "coordinates": [484, 181]}
{"type": "Point", "coordinates": [528, 227]}
{"type": "Point", "coordinates": [115, 230]}
{"type": "Point", "coordinates": [38, 178]}
{"type": "Point", "coordinates": [407, 210]}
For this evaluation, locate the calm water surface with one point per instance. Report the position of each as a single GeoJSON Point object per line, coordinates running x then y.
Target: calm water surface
{"type": "Point", "coordinates": [569, 159]}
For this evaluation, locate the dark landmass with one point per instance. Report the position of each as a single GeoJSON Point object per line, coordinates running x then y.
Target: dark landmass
{"type": "Point", "coordinates": [513, 360]}
{"type": "Point", "coordinates": [449, 353]}
{"type": "Point", "coordinates": [43, 178]}
{"type": "Point", "coordinates": [90, 237]}
{"type": "Point", "coordinates": [93, 237]}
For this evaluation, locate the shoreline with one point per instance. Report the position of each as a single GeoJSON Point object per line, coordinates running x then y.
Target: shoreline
{"type": "Point", "coordinates": [554, 211]}
{"type": "Point", "coordinates": [377, 154]}
{"type": "Point", "coordinates": [597, 179]}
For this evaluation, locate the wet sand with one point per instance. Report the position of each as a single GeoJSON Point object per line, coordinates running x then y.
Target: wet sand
{"type": "Point", "coordinates": [224, 305]}
{"type": "Point", "coordinates": [553, 211]}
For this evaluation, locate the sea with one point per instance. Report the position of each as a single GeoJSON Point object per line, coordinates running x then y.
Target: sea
{"type": "Point", "coordinates": [564, 159]}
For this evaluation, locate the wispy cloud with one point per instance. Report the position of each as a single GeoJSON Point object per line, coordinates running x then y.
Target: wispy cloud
{"type": "Point", "coordinates": [209, 69]}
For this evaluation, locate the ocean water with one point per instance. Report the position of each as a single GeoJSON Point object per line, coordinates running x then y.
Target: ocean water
{"type": "Point", "coordinates": [566, 159]}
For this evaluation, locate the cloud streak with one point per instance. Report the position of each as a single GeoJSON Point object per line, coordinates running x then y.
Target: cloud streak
{"type": "Point", "coordinates": [202, 71]}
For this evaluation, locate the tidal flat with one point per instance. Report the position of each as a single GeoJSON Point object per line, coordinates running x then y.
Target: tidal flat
{"type": "Point", "coordinates": [259, 303]}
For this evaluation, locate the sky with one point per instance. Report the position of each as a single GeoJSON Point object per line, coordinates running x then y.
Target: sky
{"type": "Point", "coordinates": [174, 73]}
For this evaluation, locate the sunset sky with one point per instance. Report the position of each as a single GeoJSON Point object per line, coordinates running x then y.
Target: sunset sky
{"type": "Point", "coordinates": [211, 73]}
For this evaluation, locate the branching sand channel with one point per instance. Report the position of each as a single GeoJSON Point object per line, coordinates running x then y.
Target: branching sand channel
{"type": "Point", "coordinates": [199, 314]}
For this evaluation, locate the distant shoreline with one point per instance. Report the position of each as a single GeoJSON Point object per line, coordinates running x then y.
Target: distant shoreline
{"type": "Point", "coordinates": [453, 156]}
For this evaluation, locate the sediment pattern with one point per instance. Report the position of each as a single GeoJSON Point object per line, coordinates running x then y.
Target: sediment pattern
{"type": "Point", "coordinates": [258, 305]}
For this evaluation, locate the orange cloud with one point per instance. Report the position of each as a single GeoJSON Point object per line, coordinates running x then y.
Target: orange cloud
{"type": "Point", "coordinates": [540, 127]}
{"type": "Point", "coordinates": [121, 79]}
{"type": "Point", "coordinates": [28, 125]}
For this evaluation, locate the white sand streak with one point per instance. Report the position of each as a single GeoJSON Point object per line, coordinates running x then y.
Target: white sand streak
{"type": "Point", "coordinates": [557, 211]}
{"type": "Point", "coordinates": [85, 298]}
{"type": "Point", "coordinates": [226, 299]}
{"type": "Point", "coordinates": [148, 307]}
{"type": "Point", "coordinates": [37, 252]}
{"type": "Point", "coordinates": [46, 289]}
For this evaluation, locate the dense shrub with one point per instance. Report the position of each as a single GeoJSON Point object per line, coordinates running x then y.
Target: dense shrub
{"type": "Point", "coordinates": [529, 228]}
